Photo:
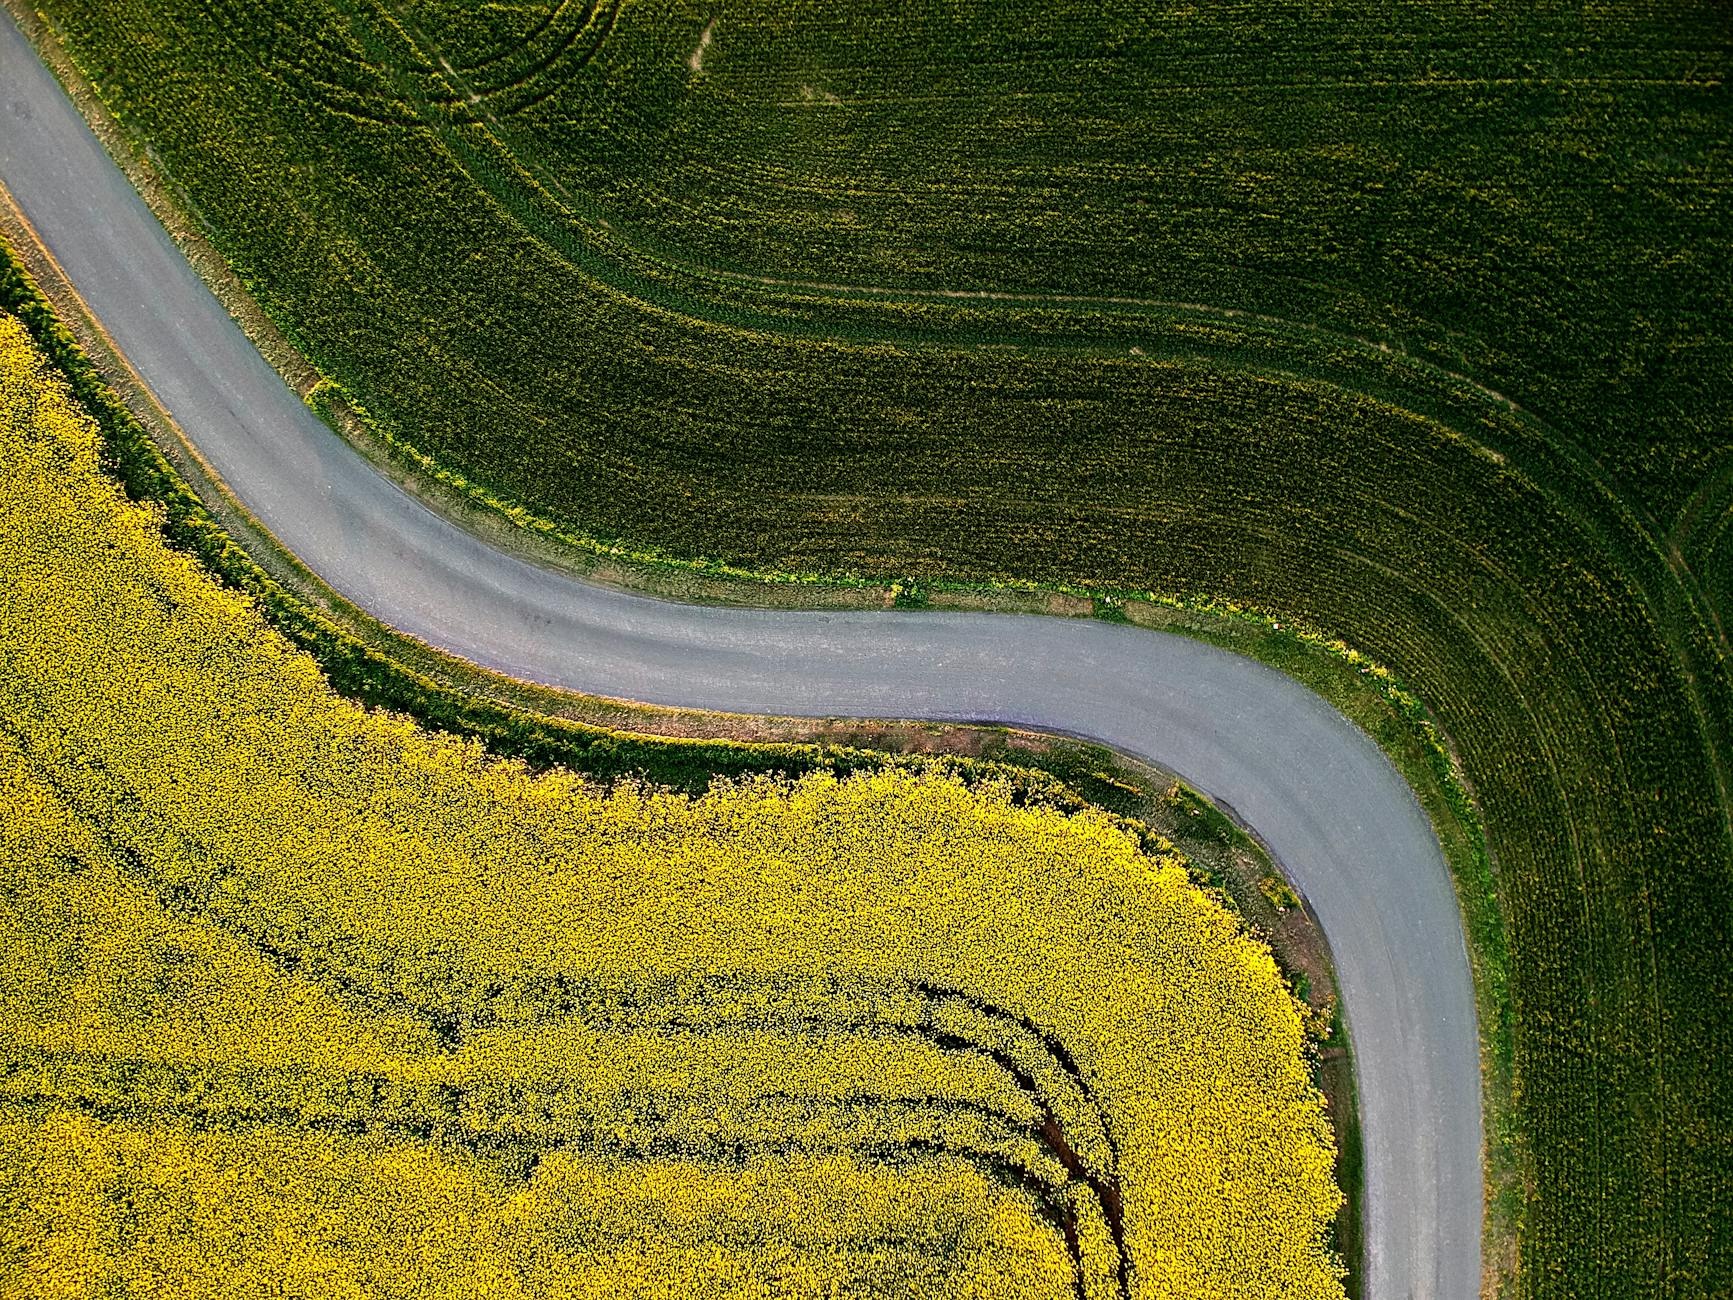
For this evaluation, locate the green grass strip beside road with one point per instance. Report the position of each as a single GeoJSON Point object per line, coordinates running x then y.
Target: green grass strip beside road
{"type": "Point", "coordinates": [1067, 777]}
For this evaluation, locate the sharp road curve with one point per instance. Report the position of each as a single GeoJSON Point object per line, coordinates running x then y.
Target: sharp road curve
{"type": "Point", "coordinates": [1317, 790]}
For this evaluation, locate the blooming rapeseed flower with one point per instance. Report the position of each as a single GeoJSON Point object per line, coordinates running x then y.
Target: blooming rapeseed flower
{"type": "Point", "coordinates": [299, 998]}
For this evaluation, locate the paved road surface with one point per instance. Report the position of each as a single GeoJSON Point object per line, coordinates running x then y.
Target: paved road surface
{"type": "Point", "coordinates": [1319, 792]}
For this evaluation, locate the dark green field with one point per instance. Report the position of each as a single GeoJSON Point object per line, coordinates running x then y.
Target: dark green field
{"type": "Point", "coordinates": [1411, 322]}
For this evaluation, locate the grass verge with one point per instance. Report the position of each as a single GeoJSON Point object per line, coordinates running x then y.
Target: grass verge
{"type": "Point", "coordinates": [680, 749]}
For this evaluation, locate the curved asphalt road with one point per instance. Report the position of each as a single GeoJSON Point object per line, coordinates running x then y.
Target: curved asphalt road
{"type": "Point", "coordinates": [1320, 793]}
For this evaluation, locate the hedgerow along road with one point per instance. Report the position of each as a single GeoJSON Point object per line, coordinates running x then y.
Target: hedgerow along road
{"type": "Point", "coordinates": [1323, 797]}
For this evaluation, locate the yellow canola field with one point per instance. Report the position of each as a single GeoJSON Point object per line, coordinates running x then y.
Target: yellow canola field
{"type": "Point", "coordinates": [299, 999]}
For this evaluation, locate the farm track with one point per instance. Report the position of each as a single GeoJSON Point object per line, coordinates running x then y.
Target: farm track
{"type": "Point", "coordinates": [1321, 794]}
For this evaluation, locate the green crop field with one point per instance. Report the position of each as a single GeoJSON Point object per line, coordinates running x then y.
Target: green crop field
{"type": "Point", "coordinates": [1408, 322]}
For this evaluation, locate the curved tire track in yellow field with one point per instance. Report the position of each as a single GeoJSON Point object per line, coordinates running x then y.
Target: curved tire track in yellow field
{"type": "Point", "coordinates": [1344, 825]}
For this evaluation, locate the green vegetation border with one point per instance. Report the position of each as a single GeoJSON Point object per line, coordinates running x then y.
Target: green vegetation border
{"type": "Point", "coordinates": [1069, 775]}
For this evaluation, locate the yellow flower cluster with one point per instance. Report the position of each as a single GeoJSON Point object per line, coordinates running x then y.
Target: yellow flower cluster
{"type": "Point", "coordinates": [298, 998]}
